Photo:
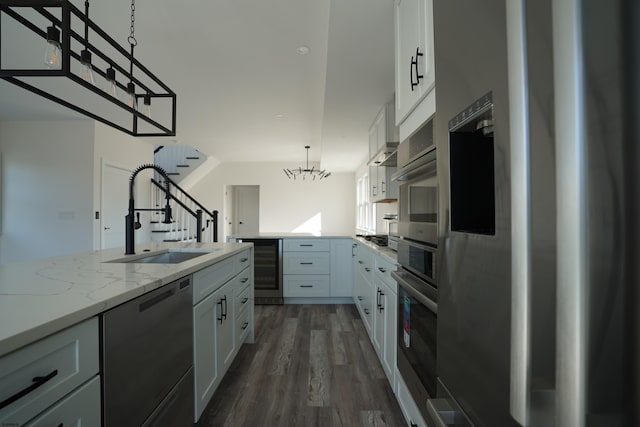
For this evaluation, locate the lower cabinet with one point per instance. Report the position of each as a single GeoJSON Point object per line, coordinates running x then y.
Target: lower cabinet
{"type": "Point", "coordinates": [407, 405]}
{"type": "Point", "coordinates": [222, 321]}
{"type": "Point", "coordinates": [385, 329]}
{"type": "Point", "coordinates": [80, 408]}
{"type": "Point", "coordinates": [53, 381]}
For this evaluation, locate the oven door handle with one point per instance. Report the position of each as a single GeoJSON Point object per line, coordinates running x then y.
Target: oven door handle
{"type": "Point", "coordinates": [405, 283]}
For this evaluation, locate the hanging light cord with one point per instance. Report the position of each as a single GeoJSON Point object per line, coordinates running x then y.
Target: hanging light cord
{"type": "Point", "coordinates": [132, 38]}
{"type": "Point", "coordinates": [86, 25]}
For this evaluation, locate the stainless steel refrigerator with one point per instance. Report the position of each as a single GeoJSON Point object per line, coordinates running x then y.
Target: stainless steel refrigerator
{"type": "Point", "coordinates": [537, 138]}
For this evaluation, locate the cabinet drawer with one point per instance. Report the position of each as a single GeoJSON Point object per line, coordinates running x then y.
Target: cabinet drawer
{"type": "Point", "coordinates": [211, 278]}
{"type": "Point", "coordinates": [307, 263]}
{"type": "Point", "coordinates": [383, 271]}
{"type": "Point", "coordinates": [242, 260]}
{"type": "Point", "coordinates": [80, 408]}
{"type": "Point", "coordinates": [36, 376]}
{"type": "Point", "coordinates": [307, 286]}
{"type": "Point", "coordinates": [243, 299]}
{"type": "Point", "coordinates": [306, 245]}
{"type": "Point", "coordinates": [242, 327]}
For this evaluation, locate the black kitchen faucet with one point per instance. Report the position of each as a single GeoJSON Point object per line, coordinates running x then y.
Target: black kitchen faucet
{"type": "Point", "coordinates": [129, 225]}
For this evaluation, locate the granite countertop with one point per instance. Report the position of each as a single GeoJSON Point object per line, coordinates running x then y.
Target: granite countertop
{"type": "Point", "coordinates": [41, 297]}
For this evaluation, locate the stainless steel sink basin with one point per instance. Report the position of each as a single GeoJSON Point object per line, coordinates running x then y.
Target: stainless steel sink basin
{"type": "Point", "coordinates": [169, 256]}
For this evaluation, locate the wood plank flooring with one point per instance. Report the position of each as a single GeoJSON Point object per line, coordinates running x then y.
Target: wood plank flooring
{"type": "Point", "coordinates": [311, 365]}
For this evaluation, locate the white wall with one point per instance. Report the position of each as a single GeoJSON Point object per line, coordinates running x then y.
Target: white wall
{"type": "Point", "coordinates": [285, 204]}
{"type": "Point", "coordinates": [47, 186]}
{"type": "Point", "coordinates": [119, 149]}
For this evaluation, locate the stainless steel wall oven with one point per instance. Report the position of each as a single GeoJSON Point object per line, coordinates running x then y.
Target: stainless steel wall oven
{"type": "Point", "coordinates": [417, 276]}
{"type": "Point", "coordinates": [418, 198]}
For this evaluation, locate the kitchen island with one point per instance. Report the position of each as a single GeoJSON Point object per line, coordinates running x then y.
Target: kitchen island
{"type": "Point", "coordinates": [40, 297]}
{"type": "Point", "coordinates": [53, 324]}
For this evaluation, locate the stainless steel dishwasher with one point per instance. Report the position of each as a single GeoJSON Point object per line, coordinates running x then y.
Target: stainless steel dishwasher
{"type": "Point", "coordinates": [147, 359]}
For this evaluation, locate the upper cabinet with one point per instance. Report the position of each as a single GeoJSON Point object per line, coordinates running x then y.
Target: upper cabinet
{"type": "Point", "coordinates": [415, 72]}
{"type": "Point", "coordinates": [383, 143]}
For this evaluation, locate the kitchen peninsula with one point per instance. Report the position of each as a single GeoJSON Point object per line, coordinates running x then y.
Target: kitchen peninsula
{"type": "Point", "coordinates": [50, 311]}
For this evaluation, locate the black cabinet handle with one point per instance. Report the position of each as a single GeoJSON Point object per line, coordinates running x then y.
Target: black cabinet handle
{"type": "Point", "coordinates": [378, 297]}
{"type": "Point", "coordinates": [244, 300]}
{"type": "Point", "coordinates": [382, 186]}
{"type": "Point", "coordinates": [306, 263]}
{"type": "Point", "coordinates": [37, 382]}
{"type": "Point", "coordinates": [360, 261]}
{"type": "Point", "coordinates": [360, 298]}
{"type": "Point", "coordinates": [306, 245]}
{"type": "Point", "coordinates": [367, 269]}
{"type": "Point", "coordinates": [244, 280]}
{"type": "Point", "coordinates": [366, 311]}
{"type": "Point", "coordinates": [413, 424]}
{"type": "Point", "coordinates": [306, 286]}
{"type": "Point", "coordinates": [414, 63]}
{"type": "Point", "coordinates": [244, 259]}
{"type": "Point", "coordinates": [61, 425]}
{"type": "Point", "coordinates": [245, 325]}
{"type": "Point", "coordinates": [224, 313]}
{"type": "Point", "coordinates": [382, 270]}
{"type": "Point", "coordinates": [221, 318]}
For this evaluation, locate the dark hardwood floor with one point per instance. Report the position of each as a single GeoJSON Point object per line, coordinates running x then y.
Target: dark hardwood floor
{"type": "Point", "coordinates": [311, 365]}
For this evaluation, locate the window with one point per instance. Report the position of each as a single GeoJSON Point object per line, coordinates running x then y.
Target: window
{"type": "Point", "coordinates": [364, 208]}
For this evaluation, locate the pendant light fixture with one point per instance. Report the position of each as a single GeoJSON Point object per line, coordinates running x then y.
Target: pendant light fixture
{"type": "Point", "coordinates": [52, 52]}
{"type": "Point", "coordinates": [70, 53]}
{"type": "Point", "coordinates": [312, 172]}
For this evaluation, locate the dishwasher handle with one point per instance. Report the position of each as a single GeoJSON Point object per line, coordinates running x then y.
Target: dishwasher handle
{"type": "Point", "coordinates": [145, 305]}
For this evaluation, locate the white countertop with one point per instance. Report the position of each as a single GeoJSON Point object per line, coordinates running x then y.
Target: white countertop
{"type": "Point", "coordinates": [286, 235]}
{"type": "Point", "coordinates": [41, 297]}
{"type": "Point", "coordinates": [389, 254]}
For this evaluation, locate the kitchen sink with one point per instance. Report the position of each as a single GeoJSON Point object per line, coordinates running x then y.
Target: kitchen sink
{"type": "Point", "coordinates": [169, 256]}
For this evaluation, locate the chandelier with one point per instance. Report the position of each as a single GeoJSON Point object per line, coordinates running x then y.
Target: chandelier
{"type": "Point", "coordinates": [312, 173]}
{"type": "Point", "coordinates": [95, 76]}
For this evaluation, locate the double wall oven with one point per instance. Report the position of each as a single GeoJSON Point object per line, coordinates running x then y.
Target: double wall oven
{"type": "Point", "coordinates": [417, 256]}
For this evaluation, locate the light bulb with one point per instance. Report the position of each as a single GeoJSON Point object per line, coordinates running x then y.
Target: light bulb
{"type": "Point", "coordinates": [131, 96]}
{"type": "Point", "coordinates": [85, 63]}
{"type": "Point", "coordinates": [146, 107]}
{"type": "Point", "coordinates": [110, 87]}
{"type": "Point", "coordinates": [52, 52]}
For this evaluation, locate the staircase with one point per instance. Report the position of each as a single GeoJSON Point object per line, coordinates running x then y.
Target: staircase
{"type": "Point", "coordinates": [177, 160]}
{"type": "Point", "coordinates": [191, 221]}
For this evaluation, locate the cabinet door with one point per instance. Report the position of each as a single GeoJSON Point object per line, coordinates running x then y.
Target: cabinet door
{"type": "Point", "coordinates": [225, 325]}
{"type": "Point", "coordinates": [373, 183]}
{"type": "Point", "coordinates": [205, 359]}
{"type": "Point", "coordinates": [407, 20]}
{"type": "Point", "coordinates": [390, 335]}
{"type": "Point", "coordinates": [414, 54]}
{"type": "Point", "coordinates": [341, 267]}
{"type": "Point", "coordinates": [378, 319]}
{"type": "Point", "coordinates": [373, 140]}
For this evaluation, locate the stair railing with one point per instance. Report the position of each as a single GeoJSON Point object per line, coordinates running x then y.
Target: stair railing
{"type": "Point", "coordinates": [192, 221]}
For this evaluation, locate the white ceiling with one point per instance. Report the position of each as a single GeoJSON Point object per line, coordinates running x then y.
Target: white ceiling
{"type": "Point", "coordinates": [244, 93]}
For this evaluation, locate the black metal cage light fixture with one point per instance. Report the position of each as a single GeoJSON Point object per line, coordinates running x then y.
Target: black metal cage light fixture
{"type": "Point", "coordinates": [103, 80]}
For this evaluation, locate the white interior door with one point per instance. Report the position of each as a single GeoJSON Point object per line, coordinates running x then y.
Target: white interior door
{"type": "Point", "coordinates": [247, 209]}
{"type": "Point", "coordinates": [113, 205]}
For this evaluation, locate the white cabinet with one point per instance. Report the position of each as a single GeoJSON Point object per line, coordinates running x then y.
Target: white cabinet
{"type": "Point", "coordinates": [363, 287]}
{"type": "Point", "coordinates": [407, 405]}
{"type": "Point", "coordinates": [385, 333]}
{"type": "Point", "coordinates": [415, 75]}
{"type": "Point", "coordinates": [222, 321]}
{"type": "Point", "coordinates": [383, 189]}
{"type": "Point", "coordinates": [37, 376]}
{"type": "Point", "coordinates": [341, 267]}
{"type": "Point", "coordinates": [316, 267]}
{"type": "Point", "coordinates": [383, 130]}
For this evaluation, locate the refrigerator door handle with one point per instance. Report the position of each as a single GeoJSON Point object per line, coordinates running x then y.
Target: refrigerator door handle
{"type": "Point", "coordinates": [520, 209]}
